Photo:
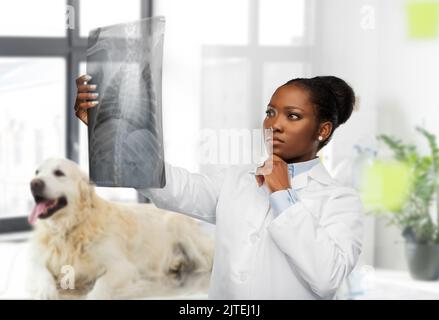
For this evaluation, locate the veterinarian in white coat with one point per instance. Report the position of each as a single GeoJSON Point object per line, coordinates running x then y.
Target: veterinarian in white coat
{"type": "Point", "coordinates": [294, 232]}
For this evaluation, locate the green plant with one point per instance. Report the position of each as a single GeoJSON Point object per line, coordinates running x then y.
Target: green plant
{"type": "Point", "coordinates": [414, 215]}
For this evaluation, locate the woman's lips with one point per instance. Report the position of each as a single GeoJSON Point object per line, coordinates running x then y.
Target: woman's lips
{"type": "Point", "coordinates": [274, 141]}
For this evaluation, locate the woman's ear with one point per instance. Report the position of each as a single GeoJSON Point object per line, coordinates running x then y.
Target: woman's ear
{"type": "Point", "coordinates": [325, 130]}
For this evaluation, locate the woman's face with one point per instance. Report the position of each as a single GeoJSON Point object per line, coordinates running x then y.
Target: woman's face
{"type": "Point", "coordinates": [294, 121]}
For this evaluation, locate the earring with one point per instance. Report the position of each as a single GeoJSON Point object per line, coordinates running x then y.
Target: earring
{"type": "Point", "coordinates": [320, 138]}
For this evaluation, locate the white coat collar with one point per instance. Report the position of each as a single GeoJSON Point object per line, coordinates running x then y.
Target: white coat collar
{"type": "Point", "coordinates": [317, 172]}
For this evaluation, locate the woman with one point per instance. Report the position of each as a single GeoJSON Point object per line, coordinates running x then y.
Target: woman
{"type": "Point", "coordinates": [291, 233]}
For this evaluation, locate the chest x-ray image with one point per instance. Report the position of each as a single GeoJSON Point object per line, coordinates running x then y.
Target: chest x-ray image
{"type": "Point", "coordinates": [125, 129]}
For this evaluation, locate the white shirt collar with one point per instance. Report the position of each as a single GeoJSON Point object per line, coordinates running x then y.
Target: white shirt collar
{"type": "Point", "coordinates": [299, 167]}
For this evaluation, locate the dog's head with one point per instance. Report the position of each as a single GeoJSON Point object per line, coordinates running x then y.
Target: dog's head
{"type": "Point", "coordinates": [60, 190]}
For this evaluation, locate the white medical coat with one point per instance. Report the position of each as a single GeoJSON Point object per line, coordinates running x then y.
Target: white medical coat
{"type": "Point", "coordinates": [303, 253]}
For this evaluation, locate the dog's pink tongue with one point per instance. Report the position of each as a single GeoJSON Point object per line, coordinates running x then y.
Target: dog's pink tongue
{"type": "Point", "coordinates": [37, 211]}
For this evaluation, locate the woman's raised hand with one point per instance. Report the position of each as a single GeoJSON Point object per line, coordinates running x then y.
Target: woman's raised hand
{"type": "Point", "coordinates": [85, 97]}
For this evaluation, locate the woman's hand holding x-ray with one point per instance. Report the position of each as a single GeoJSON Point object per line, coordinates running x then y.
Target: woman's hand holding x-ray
{"type": "Point", "coordinates": [275, 174]}
{"type": "Point", "coordinates": [85, 97]}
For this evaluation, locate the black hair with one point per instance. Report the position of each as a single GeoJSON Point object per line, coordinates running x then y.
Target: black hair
{"type": "Point", "coordinates": [333, 98]}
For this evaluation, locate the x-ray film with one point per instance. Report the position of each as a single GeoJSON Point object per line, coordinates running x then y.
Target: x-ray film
{"type": "Point", "coordinates": [125, 132]}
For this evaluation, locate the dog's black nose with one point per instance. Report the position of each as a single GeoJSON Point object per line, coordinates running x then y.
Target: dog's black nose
{"type": "Point", "coordinates": [37, 186]}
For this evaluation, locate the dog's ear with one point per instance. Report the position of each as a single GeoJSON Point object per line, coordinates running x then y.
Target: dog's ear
{"type": "Point", "coordinates": [86, 192]}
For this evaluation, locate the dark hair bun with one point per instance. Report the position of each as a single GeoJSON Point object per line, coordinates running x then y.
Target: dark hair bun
{"type": "Point", "coordinates": [344, 96]}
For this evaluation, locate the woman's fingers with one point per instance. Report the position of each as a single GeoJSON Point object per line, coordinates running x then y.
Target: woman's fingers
{"type": "Point", "coordinates": [87, 87]}
{"type": "Point", "coordinates": [82, 79]}
{"type": "Point", "coordinates": [88, 104]}
{"type": "Point", "coordinates": [84, 98]}
{"type": "Point", "coordinates": [87, 96]}
{"type": "Point", "coordinates": [266, 169]}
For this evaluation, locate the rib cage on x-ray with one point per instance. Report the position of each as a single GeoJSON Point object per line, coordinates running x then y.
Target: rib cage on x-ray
{"type": "Point", "coordinates": [125, 129]}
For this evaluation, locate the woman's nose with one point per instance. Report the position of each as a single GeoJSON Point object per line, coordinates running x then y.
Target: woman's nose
{"type": "Point", "coordinates": [275, 124]}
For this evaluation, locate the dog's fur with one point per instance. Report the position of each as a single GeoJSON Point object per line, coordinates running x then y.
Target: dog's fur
{"type": "Point", "coordinates": [112, 250]}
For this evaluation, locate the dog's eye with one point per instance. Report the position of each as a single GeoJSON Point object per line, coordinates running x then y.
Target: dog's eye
{"type": "Point", "coordinates": [36, 172]}
{"type": "Point", "coordinates": [58, 173]}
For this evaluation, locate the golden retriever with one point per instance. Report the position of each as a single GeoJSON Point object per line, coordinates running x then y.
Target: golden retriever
{"type": "Point", "coordinates": [86, 247]}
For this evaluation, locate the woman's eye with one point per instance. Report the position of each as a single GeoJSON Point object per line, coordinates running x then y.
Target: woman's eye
{"type": "Point", "coordinates": [58, 173]}
{"type": "Point", "coordinates": [293, 115]}
{"type": "Point", "coordinates": [269, 113]}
